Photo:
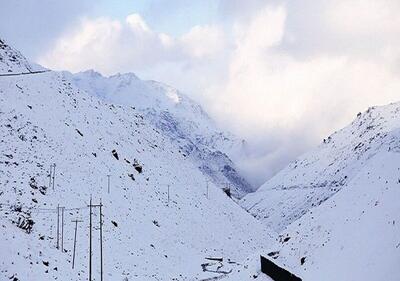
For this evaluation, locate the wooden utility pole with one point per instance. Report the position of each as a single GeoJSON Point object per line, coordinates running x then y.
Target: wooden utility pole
{"type": "Point", "coordinates": [168, 196]}
{"type": "Point", "coordinates": [76, 230]}
{"type": "Point", "coordinates": [108, 183]}
{"type": "Point", "coordinates": [62, 229]}
{"type": "Point", "coordinates": [58, 225]}
{"type": "Point", "coordinates": [54, 173]}
{"type": "Point", "coordinates": [50, 175]}
{"type": "Point", "coordinates": [101, 242]}
{"type": "Point", "coordinates": [90, 239]}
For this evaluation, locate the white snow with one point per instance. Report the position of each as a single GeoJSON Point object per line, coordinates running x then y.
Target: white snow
{"type": "Point", "coordinates": [12, 61]}
{"type": "Point", "coordinates": [355, 234]}
{"type": "Point", "coordinates": [177, 117]}
{"type": "Point", "coordinates": [336, 209]}
{"type": "Point", "coordinates": [338, 206]}
{"type": "Point", "coordinates": [45, 119]}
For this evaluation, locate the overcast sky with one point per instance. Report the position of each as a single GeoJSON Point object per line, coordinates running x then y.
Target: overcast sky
{"type": "Point", "coordinates": [281, 74]}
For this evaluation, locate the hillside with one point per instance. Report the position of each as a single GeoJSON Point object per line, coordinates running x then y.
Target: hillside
{"type": "Point", "coordinates": [355, 234]}
{"type": "Point", "coordinates": [12, 61]}
{"type": "Point", "coordinates": [322, 172]}
{"type": "Point", "coordinates": [147, 235]}
{"type": "Point", "coordinates": [179, 118]}
{"type": "Point", "coordinates": [337, 207]}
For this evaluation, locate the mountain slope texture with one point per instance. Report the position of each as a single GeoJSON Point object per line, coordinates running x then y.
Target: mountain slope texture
{"type": "Point", "coordinates": [179, 118]}
{"type": "Point", "coordinates": [337, 207]}
{"type": "Point", "coordinates": [160, 218]}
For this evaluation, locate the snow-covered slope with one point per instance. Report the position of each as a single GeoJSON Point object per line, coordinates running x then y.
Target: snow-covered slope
{"type": "Point", "coordinates": [45, 119]}
{"type": "Point", "coordinates": [177, 117]}
{"type": "Point", "coordinates": [337, 208]}
{"type": "Point", "coordinates": [355, 235]}
{"type": "Point", "coordinates": [12, 61]}
{"type": "Point", "coordinates": [319, 174]}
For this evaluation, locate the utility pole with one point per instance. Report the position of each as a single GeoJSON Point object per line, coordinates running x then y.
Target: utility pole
{"type": "Point", "coordinates": [90, 239]}
{"type": "Point", "coordinates": [76, 230]}
{"type": "Point", "coordinates": [101, 242]}
{"type": "Point", "coordinates": [168, 196]}
{"type": "Point", "coordinates": [108, 184]}
{"type": "Point", "coordinates": [58, 225]}
{"type": "Point", "coordinates": [54, 173]}
{"type": "Point", "coordinates": [62, 229]}
{"type": "Point", "coordinates": [50, 175]}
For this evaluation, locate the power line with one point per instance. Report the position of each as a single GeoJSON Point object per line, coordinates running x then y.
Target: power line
{"type": "Point", "coordinates": [90, 238]}
{"type": "Point", "coordinates": [23, 73]}
{"type": "Point", "coordinates": [42, 209]}
{"type": "Point", "coordinates": [60, 242]}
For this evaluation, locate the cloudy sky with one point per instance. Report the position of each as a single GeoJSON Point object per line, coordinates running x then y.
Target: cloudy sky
{"type": "Point", "coordinates": [281, 74]}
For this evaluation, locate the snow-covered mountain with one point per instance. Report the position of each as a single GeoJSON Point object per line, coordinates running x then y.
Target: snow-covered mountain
{"type": "Point", "coordinates": [177, 117]}
{"type": "Point", "coordinates": [322, 172]}
{"type": "Point", "coordinates": [12, 61]}
{"type": "Point", "coordinates": [355, 235]}
{"type": "Point", "coordinates": [160, 220]}
{"type": "Point", "coordinates": [337, 208]}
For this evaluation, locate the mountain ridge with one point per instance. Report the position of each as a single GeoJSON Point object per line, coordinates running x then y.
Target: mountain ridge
{"type": "Point", "coordinates": [161, 219]}
{"type": "Point", "coordinates": [179, 118]}
{"type": "Point", "coordinates": [323, 171]}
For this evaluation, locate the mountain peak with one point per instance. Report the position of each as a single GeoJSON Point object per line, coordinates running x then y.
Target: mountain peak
{"type": "Point", "coordinates": [321, 173]}
{"type": "Point", "coordinates": [157, 197]}
{"type": "Point", "coordinates": [128, 76]}
{"type": "Point", "coordinates": [178, 117]}
{"type": "Point", "coordinates": [91, 72]}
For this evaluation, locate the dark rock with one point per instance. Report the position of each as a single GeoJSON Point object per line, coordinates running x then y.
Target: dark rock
{"type": "Point", "coordinates": [115, 154]}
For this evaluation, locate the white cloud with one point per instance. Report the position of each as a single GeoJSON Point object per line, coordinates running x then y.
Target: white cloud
{"type": "Point", "coordinates": [364, 17]}
{"type": "Point", "coordinates": [136, 22]}
{"type": "Point", "coordinates": [283, 75]}
{"type": "Point", "coordinates": [265, 29]}
{"type": "Point", "coordinates": [111, 46]}
{"type": "Point", "coordinates": [290, 103]}
{"type": "Point", "coordinates": [203, 41]}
